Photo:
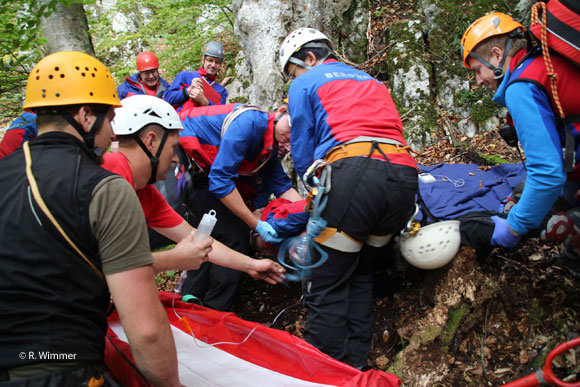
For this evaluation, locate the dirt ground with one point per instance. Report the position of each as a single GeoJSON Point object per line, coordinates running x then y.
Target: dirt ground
{"type": "Point", "coordinates": [531, 307]}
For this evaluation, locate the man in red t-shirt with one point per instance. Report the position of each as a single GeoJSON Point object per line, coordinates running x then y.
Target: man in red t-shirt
{"type": "Point", "coordinates": [147, 128]}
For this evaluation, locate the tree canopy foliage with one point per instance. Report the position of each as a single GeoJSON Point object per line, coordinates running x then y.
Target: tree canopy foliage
{"type": "Point", "coordinates": [175, 30]}
{"type": "Point", "coordinates": [21, 44]}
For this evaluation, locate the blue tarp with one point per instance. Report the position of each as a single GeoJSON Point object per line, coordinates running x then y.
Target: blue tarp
{"type": "Point", "coordinates": [457, 190]}
{"type": "Point", "coordinates": [463, 188]}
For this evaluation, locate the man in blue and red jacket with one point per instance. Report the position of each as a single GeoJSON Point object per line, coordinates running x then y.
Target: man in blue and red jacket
{"type": "Point", "coordinates": [187, 85]}
{"type": "Point", "coordinates": [235, 149]}
{"type": "Point", "coordinates": [146, 81]}
{"type": "Point", "coordinates": [21, 129]}
{"type": "Point", "coordinates": [494, 46]}
{"type": "Point", "coordinates": [348, 119]}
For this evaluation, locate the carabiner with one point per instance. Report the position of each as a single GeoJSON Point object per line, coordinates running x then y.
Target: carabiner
{"type": "Point", "coordinates": [409, 227]}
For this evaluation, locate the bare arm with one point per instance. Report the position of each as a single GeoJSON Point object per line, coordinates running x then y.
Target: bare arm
{"type": "Point", "coordinates": [221, 255]}
{"type": "Point", "coordinates": [146, 324]}
{"type": "Point", "coordinates": [263, 269]}
{"type": "Point", "coordinates": [291, 195]}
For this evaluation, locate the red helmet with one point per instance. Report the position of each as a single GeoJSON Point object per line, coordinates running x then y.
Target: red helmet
{"type": "Point", "coordinates": [147, 61]}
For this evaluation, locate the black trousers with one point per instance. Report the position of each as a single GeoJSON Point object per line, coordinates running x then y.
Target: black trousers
{"type": "Point", "coordinates": [367, 197]}
{"type": "Point", "coordinates": [215, 285]}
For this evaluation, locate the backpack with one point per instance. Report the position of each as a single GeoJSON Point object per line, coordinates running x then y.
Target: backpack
{"type": "Point", "coordinates": [555, 25]}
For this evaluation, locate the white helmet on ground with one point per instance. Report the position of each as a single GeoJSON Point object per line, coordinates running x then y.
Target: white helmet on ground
{"type": "Point", "coordinates": [298, 39]}
{"type": "Point", "coordinates": [434, 246]}
{"type": "Point", "coordinates": [139, 111]}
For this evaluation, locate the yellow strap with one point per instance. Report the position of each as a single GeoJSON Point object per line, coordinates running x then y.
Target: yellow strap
{"type": "Point", "coordinates": [355, 149]}
{"type": "Point", "coordinates": [338, 240]}
{"type": "Point", "coordinates": [44, 208]}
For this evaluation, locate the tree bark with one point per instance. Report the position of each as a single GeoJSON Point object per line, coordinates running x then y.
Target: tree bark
{"type": "Point", "coordinates": [66, 29]}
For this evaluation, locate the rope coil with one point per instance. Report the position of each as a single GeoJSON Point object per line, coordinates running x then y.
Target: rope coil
{"type": "Point", "coordinates": [546, 52]}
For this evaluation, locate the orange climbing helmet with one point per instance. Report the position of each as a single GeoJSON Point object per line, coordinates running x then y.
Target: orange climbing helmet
{"type": "Point", "coordinates": [495, 23]}
{"type": "Point", "coordinates": [147, 61]}
{"type": "Point", "coordinates": [70, 78]}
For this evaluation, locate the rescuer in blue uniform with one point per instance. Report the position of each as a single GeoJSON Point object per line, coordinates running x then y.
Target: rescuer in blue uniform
{"type": "Point", "coordinates": [235, 150]}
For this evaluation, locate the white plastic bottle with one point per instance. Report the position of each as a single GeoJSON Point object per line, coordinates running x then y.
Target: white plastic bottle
{"type": "Point", "coordinates": [204, 230]}
{"type": "Point", "coordinates": [205, 227]}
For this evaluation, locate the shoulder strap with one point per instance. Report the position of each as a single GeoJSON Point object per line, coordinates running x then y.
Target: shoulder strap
{"type": "Point", "coordinates": [235, 114]}
{"type": "Point", "coordinates": [226, 124]}
{"type": "Point", "coordinates": [46, 211]}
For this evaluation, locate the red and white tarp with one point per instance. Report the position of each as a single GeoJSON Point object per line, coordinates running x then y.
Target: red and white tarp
{"type": "Point", "coordinates": [268, 357]}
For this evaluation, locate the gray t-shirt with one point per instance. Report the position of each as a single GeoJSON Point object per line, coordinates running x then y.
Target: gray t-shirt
{"type": "Point", "coordinates": [119, 225]}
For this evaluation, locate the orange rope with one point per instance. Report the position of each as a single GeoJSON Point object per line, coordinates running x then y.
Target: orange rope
{"type": "Point", "coordinates": [545, 51]}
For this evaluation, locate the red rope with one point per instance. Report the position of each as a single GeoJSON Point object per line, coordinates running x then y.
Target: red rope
{"type": "Point", "coordinates": [545, 51]}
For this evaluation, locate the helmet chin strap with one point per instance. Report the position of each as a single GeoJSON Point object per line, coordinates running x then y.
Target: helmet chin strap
{"type": "Point", "coordinates": [88, 138]}
{"type": "Point", "coordinates": [497, 71]}
{"type": "Point", "coordinates": [154, 160]}
{"type": "Point", "coordinates": [301, 63]}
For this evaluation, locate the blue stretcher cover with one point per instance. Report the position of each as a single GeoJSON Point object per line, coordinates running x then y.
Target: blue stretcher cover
{"type": "Point", "coordinates": [454, 190]}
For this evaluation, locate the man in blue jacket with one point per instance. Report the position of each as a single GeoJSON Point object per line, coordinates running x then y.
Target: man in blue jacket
{"type": "Point", "coordinates": [147, 80]}
{"type": "Point", "coordinates": [346, 119]}
{"type": "Point", "coordinates": [495, 48]}
{"type": "Point", "coordinates": [187, 85]}
{"type": "Point", "coordinates": [235, 150]}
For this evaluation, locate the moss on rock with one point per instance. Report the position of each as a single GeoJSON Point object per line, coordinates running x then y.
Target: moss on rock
{"type": "Point", "coordinates": [455, 316]}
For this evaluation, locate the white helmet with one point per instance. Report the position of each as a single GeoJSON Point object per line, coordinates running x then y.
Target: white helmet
{"type": "Point", "coordinates": [434, 246]}
{"type": "Point", "coordinates": [296, 40]}
{"type": "Point", "coordinates": [139, 111]}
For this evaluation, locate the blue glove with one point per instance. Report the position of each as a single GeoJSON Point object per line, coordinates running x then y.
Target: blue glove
{"type": "Point", "coordinates": [502, 235]}
{"type": "Point", "coordinates": [267, 232]}
{"type": "Point", "coordinates": [315, 227]}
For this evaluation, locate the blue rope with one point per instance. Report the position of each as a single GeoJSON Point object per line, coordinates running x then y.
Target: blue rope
{"type": "Point", "coordinates": [301, 269]}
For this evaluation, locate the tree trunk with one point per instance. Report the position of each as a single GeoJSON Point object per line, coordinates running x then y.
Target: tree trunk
{"type": "Point", "coordinates": [66, 29]}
